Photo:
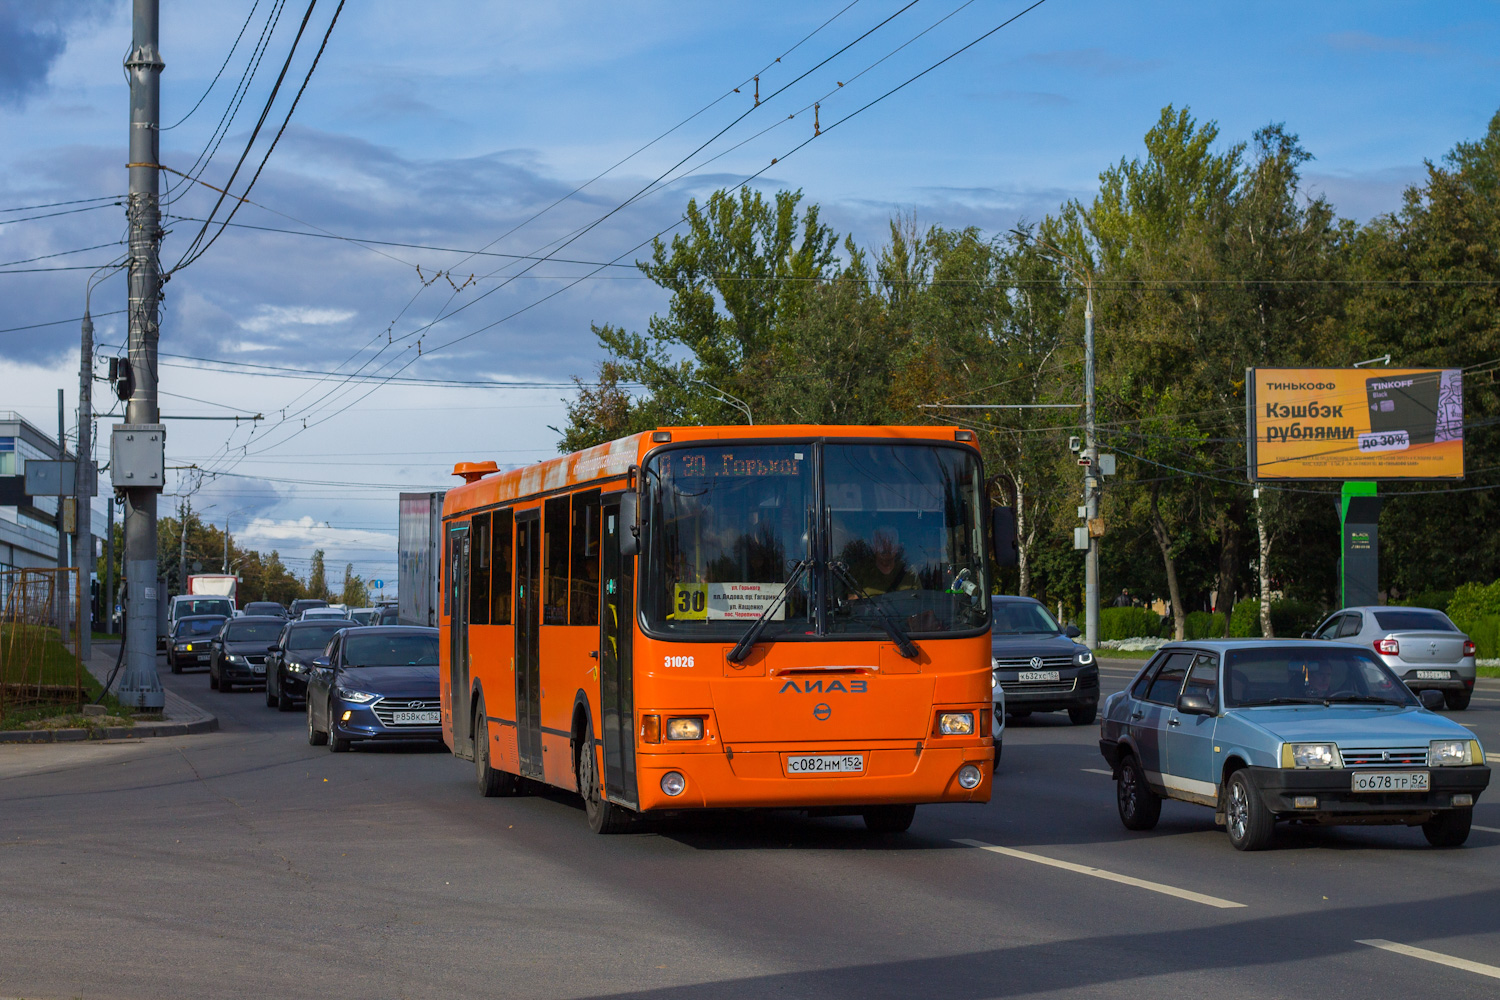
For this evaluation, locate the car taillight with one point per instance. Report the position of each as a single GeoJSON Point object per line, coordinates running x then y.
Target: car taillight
{"type": "Point", "coordinates": [1387, 647]}
{"type": "Point", "coordinates": [1468, 647]}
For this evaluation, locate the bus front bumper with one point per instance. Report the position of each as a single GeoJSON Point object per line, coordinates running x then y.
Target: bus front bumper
{"type": "Point", "coordinates": [759, 778]}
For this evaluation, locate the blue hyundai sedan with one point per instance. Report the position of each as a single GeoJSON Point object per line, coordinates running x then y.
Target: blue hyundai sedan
{"type": "Point", "coordinates": [1269, 730]}
{"type": "Point", "coordinates": [375, 682]}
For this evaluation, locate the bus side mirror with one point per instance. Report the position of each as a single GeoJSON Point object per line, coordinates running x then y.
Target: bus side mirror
{"type": "Point", "coordinates": [630, 529]}
{"type": "Point", "coordinates": [1003, 535]}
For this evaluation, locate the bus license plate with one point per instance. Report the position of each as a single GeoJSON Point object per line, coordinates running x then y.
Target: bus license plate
{"type": "Point", "coordinates": [843, 763]}
{"type": "Point", "coordinates": [1432, 675]}
{"type": "Point", "coordinates": [1039, 675]}
{"type": "Point", "coordinates": [1392, 781]}
{"type": "Point", "coordinates": [410, 718]}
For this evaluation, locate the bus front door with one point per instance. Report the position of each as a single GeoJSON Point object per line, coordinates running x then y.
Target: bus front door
{"type": "Point", "coordinates": [528, 658]}
{"type": "Point", "coordinates": [458, 632]}
{"type": "Point", "coordinates": [617, 701]}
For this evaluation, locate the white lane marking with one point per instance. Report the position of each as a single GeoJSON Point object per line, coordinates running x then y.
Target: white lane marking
{"type": "Point", "coordinates": [1139, 883]}
{"type": "Point", "coordinates": [1436, 957]}
{"type": "Point", "coordinates": [1098, 770]}
{"type": "Point", "coordinates": [1470, 725]}
{"type": "Point", "coordinates": [1486, 829]}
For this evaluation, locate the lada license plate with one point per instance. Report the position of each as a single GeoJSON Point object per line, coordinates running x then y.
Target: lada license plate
{"type": "Point", "coordinates": [1392, 781]}
{"type": "Point", "coordinates": [826, 763]}
{"type": "Point", "coordinates": [1432, 675]}
{"type": "Point", "coordinates": [415, 717]}
{"type": "Point", "coordinates": [1039, 675]}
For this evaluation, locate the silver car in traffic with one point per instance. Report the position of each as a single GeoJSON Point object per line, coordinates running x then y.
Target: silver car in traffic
{"type": "Point", "coordinates": [1421, 646]}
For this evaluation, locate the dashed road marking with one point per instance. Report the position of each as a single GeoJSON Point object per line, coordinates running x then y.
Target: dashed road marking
{"type": "Point", "coordinates": [1139, 883]}
{"type": "Point", "coordinates": [1486, 829]}
{"type": "Point", "coordinates": [1436, 957]}
{"type": "Point", "coordinates": [1098, 770]}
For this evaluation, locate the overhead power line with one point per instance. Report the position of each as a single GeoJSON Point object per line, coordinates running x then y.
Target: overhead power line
{"type": "Point", "coordinates": [212, 83]}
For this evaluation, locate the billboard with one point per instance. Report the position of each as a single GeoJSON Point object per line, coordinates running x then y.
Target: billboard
{"type": "Point", "coordinates": [1354, 423]}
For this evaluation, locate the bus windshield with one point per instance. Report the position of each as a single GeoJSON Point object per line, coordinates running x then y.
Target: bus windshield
{"type": "Point", "coordinates": [896, 540]}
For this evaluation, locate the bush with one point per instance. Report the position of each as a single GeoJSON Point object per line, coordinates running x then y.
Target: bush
{"type": "Point", "coordinates": [1438, 599]}
{"type": "Point", "coordinates": [1485, 631]}
{"type": "Point", "coordinates": [1128, 623]}
{"type": "Point", "coordinates": [1289, 618]}
{"type": "Point", "coordinates": [1473, 601]}
{"type": "Point", "coordinates": [1203, 625]}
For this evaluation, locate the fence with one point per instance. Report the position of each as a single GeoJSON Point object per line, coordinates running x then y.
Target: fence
{"type": "Point", "coordinates": [39, 662]}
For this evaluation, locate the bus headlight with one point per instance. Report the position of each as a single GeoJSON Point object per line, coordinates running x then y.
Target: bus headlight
{"type": "Point", "coordinates": [969, 776]}
{"type": "Point", "coordinates": [956, 723]}
{"type": "Point", "coordinates": [673, 783]}
{"type": "Point", "coordinates": [685, 729]}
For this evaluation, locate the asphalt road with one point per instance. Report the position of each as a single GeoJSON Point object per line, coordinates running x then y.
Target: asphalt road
{"type": "Point", "coordinates": [246, 863]}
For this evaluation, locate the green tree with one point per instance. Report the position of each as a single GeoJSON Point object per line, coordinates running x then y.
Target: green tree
{"type": "Point", "coordinates": [317, 578]}
{"type": "Point", "coordinates": [355, 593]}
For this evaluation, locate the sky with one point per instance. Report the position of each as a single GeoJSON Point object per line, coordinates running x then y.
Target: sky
{"type": "Point", "coordinates": [521, 129]}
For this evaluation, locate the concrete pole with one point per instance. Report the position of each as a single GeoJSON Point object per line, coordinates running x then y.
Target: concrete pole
{"type": "Point", "coordinates": [182, 574]}
{"type": "Point", "coordinates": [109, 568]}
{"type": "Point", "coordinates": [61, 589]}
{"type": "Point", "coordinates": [83, 541]}
{"type": "Point", "coordinates": [140, 687]}
{"type": "Point", "coordinates": [1090, 476]}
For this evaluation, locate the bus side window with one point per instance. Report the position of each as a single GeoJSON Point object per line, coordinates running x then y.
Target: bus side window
{"type": "Point", "coordinates": [556, 524]}
{"type": "Point", "coordinates": [585, 604]}
{"type": "Point", "coordinates": [479, 571]}
{"type": "Point", "coordinates": [500, 568]}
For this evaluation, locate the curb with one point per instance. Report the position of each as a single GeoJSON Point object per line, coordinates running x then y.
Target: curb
{"type": "Point", "coordinates": [209, 725]}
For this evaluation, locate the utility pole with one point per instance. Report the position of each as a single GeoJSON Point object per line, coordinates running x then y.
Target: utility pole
{"type": "Point", "coordinates": [182, 515]}
{"type": "Point", "coordinates": [140, 687]}
{"type": "Point", "coordinates": [1091, 476]}
{"type": "Point", "coordinates": [109, 568]}
{"type": "Point", "coordinates": [61, 589]}
{"type": "Point", "coordinates": [83, 488]}
{"type": "Point", "coordinates": [226, 543]}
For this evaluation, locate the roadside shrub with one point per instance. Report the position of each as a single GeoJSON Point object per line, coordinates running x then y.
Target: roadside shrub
{"type": "Point", "coordinates": [1289, 618]}
{"type": "Point", "coordinates": [1203, 625]}
{"type": "Point", "coordinates": [1438, 599]}
{"type": "Point", "coordinates": [1473, 601]}
{"type": "Point", "coordinates": [1485, 631]}
{"type": "Point", "coordinates": [1128, 623]}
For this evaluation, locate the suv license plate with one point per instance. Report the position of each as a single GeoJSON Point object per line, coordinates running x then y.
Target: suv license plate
{"type": "Point", "coordinates": [410, 718]}
{"type": "Point", "coordinates": [257, 668]}
{"type": "Point", "coordinates": [1392, 781]}
{"type": "Point", "coordinates": [843, 763]}
{"type": "Point", "coordinates": [1039, 675]}
{"type": "Point", "coordinates": [1433, 675]}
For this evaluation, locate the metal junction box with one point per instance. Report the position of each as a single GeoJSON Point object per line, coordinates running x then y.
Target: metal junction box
{"type": "Point", "coordinates": [50, 478]}
{"type": "Point", "coordinates": [138, 456]}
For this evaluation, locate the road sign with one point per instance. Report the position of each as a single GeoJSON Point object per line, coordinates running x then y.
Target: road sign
{"type": "Point", "coordinates": [50, 479]}
{"type": "Point", "coordinates": [379, 584]}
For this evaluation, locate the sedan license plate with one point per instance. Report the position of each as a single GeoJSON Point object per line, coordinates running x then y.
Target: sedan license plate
{"type": "Point", "coordinates": [1392, 781]}
{"type": "Point", "coordinates": [410, 718]}
{"type": "Point", "coordinates": [1039, 675]}
{"type": "Point", "coordinates": [1433, 675]}
{"type": "Point", "coordinates": [843, 763]}
{"type": "Point", "coordinates": [257, 668]}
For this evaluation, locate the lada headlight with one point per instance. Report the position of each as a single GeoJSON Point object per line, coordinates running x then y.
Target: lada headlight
{"type": "Point", "coordinates": [1450, 753]}
{"type": "Point", "coordinates": [1310, 755]}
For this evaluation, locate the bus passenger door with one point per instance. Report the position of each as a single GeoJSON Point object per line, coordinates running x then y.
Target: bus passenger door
{"type": "Point", "coordinates": [458, 637]}
{"type": "Point", "coordinates": [528, 659]}
{"type": "Point", "coordinates": [617, 701]}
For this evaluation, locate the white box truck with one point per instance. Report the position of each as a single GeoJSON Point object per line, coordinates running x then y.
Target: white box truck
{"type": "Point", "coordinates": [419, 540]}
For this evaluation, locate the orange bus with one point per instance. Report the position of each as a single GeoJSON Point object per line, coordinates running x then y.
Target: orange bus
{"type": "Point", "coordinates": [725, 617]}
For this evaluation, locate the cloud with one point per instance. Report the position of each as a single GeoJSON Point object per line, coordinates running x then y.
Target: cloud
{"type": "Point", "coordinates": [1365, 194]}
{"type": "Point", "coordinates": [1363, 41]}
{"type": "Point", "coordinates": [32, 36]}
{"type": "Point", "coordinates": [271, 317]}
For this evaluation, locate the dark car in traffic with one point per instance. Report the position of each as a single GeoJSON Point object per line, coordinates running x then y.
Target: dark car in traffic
{"type": "Point", "coordinates": [239, 651]}
{"type": "Point", "coordinates": [301, 604]}
{"type": "Point", "coordinates": [1037, 663]}
{"type": "Point", "coordinates": [379, 682]}
{"type": "Point", "coordinates": [288, 662]}
{"type": "Point", "coordinates": [265, 608]}
{"type": "Point", "coordinates": [190, 641]}
{"type": "Point", "coordinates": [389, 615]}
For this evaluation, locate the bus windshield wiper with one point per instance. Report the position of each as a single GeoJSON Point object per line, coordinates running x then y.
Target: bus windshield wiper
{"type": "Point", "coordinates": [903, 642]}
{"type": "Point", "coordinates": [752, 634]}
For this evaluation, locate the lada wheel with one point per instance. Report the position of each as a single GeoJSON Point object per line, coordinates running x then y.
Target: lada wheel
{"type": "Point", "coordinates": [1249, 823]}
{"type": "Point", "coordinates": [889, 819]}
{"type": "Point", "coordinates": [1449, 828]}
{"type": "Point", "coordinates": [1139, 806]}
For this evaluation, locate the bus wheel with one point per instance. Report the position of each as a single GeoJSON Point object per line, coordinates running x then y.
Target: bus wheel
{"type": "Point", "coordinates": [889, 819]}
{"type": "Point", "coordinates": [603, 816]}
{"type": "Point", "coordinates": [492, 783]}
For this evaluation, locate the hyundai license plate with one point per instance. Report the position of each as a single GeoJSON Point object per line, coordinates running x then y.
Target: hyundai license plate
{"type": "Point", "coordinates": [1432, 675]}
{"type": "Point", "coordinates": [826, 763]}
{"type": "Point", "coordinates": [1039, 675]}
{"type": "Point", "coordinates": [1392, 781]}
{"type": "Point", "coordinates": [410, 718]}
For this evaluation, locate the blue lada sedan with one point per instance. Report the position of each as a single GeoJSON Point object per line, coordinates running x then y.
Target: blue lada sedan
{"type": "Point", "coordinates": [1268, 730]}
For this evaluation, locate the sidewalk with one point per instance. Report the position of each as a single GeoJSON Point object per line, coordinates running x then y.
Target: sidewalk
{"type": "Point", "coordinates": [180, 717]}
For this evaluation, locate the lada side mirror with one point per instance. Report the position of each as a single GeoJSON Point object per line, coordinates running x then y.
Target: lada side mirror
{"type": "Point", "coordinates": [1195, 704]}
{"type": "Point", "coordinates": [1307, 635]}
{"type": "Point", "coordinates": [1431, 700]}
